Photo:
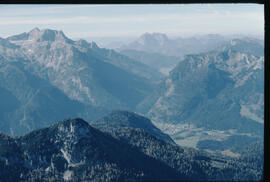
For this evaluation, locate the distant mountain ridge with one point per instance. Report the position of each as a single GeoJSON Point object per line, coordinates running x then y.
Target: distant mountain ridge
{"type": "Point", "coordinates": [40, 35]}
{"type": "Point", "coordinates": [162, 44]}
{"type": "Point", "coordinates": [158, 61]}
{"type": "Point", "coordinates": [163, 53]}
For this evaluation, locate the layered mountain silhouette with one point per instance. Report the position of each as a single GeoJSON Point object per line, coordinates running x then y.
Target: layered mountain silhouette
{"type": "Point", "coordinates": [163, 53]}
{"type": "Point", "coordinates": [72, 150]}
{"type": "Point", "coordinates": [211, 100]}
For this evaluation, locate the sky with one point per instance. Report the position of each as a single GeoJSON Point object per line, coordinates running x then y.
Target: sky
{"type": "Point", "coordinates": [86, 21]}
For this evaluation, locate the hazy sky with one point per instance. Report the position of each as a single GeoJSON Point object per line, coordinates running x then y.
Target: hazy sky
{"type": "Point", "coordinates": [83, 21]}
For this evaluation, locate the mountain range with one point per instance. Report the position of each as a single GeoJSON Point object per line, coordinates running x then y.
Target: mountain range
{"type": "Point", "coordinates": [45, 76]}
{"type": "Point", "coordinates": [205, 92]}
{"type": "Point", "coordinates": [162, 53]}
{"type": "Point", "coordinates": [72, 150]}
{"type": "Point", "coordinates": [214, 96]}
{"type": "Point", "coordinates": [161, 43]}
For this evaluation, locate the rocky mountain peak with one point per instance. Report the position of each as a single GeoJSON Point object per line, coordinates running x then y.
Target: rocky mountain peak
{"type": "Point", "coordinates": [73, 128]}
{"type": "Point", "coordinates": [36, 29]}
{"type": "Point", "coordinates": [155, 35]}
{"type": "Point", "coordinates": [75, 121]}
{"type": "Point", "coordinates": [82, 43]}
{"type": "Point", "coordinates": [46, 35]}
{"type": "Point", "coordinates": [38, 35]}
{"type": "Point", "coordinates": [246, 45]}
{"type": "Point", "coordinates": [154, 38]}
{"type": "Point", "coordinates": [93, 45]}
{"type": "Point", "coordinates": [160, 36]}
{"type": "Point", "coordinates": [128, 118]}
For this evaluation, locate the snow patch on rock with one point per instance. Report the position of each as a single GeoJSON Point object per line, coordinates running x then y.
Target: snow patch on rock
{"type": "Point", "coordinates": [66, 156]}
{"type": "Point", "coordinates": [67, 176]}
{"type": "Point", "coordinates": [245, 111]}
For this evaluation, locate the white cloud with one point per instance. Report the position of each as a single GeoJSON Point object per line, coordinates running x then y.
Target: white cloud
{"type": "Point", "coordinates": [215, 16]}
{"type": "Point", "coordinates": [39, 10]}
{"type": "Point", "coordinates": [194, 20]}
